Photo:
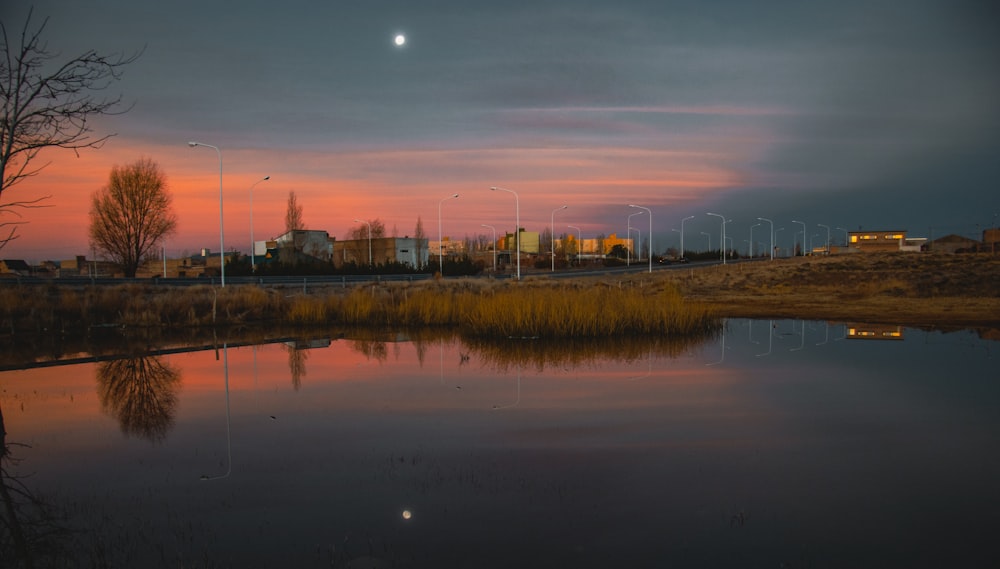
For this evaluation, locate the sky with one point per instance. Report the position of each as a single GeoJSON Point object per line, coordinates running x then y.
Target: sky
{"type": "Point", "coordinates": [872, 114]}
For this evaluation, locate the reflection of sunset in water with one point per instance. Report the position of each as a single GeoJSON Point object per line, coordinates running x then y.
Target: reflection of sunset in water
{"type": "Point", "coordinates": [754, 431]}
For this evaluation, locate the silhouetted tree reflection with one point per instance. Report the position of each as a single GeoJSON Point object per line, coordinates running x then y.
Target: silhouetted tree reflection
{"type": "Point", "coordinates": [141, 393]}
{"type": "Point", "coordinates": [32, 533]}
{"type": "Point", "coordinates": [297, 364]}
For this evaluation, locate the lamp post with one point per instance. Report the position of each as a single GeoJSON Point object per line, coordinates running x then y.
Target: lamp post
{"type": "Point", "coordinates": [827, 236]}
{"type": "Point", "coordinates": [369, 239]}
{"type": "Point", "coordinates": [517, 225]}
{"type": "Point", "coordinates": [772, 234]}
{"type": "Point", "coordinates": [440, 236]}
{"type": "Point", "coordinates": [845, 236]}
{"type": "Point", "coordinates": [494, 246]}
{"type": "Point", "coordinates": [722, 245]}
{"type": "Point", "coordinates": [628, 235]}
{"type": "Point", "coordinates": [682, 233]}
{"type": "Point", "coordinates": [638, 240]}
{"type": "Point", "coordinates": [222, 241]}
{"type": "Point", "coordinates": [709, 235]}
{"type": "Point", "coordinates": [552, 237]}
{"type": "Point", "coordinates": [650, 249]}
{"type": "Point", "coordinates": [579, 241]}
{"type": "Point", "coordinates": [750, 248]}
{"type": "Point", "coordinates": [803, 237]}
{"type": "Point", "coordinates": [253, 264]}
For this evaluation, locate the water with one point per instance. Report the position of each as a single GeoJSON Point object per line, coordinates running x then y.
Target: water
{"type": "Point", "coordinates": [777, 444]}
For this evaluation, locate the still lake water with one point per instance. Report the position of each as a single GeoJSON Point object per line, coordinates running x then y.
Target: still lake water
{"type": "Point", "coordinates": [777, 444]}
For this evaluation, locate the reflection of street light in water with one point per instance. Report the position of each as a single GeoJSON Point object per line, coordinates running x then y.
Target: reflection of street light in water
{"type": "Point", "coordinates": [723, 357]}
{"type": "Point", "coordinates": [802, 344]}
{"type": "Point", "coordinates": [770, 338]}
{"type": "Point", "coordinates": [517, 393]}
{"type": "Point", "coordinates": [649, 367]}
{"type": "Point", "coordinates": [229, 439]}
{"type": "Point", "coordinates": [827, 337]}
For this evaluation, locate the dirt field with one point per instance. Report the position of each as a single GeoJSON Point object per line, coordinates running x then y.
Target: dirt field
{"type": "Point", "coordinates": [908, 289]}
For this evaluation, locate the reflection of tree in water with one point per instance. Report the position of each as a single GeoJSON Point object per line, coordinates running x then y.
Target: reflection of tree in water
{"type": "Point", "coordinates": [31, 532]}
{"type": "Point", "coordinates": [141, 393]}
{"type": "Point", "coordinates": [372, 349]}
{"type": "Point", "coordinates": [297, 365]}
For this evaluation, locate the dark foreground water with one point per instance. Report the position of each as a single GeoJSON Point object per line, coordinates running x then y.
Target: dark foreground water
{"type": "Point", "coordinates": [779, 444]}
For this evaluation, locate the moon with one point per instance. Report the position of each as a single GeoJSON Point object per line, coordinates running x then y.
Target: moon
{"type": "Point", "coordinates": [407, 514]}
{"type": "Point", "coordinates": [399, 40]}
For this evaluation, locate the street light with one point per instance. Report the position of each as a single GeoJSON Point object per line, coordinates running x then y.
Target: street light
{"type": "Point", "coordinates": [827, 236]}
{"type": "Point", "coordinates": [709, 235]}
{"type": "Point", "coordinates": [494, 246]}
{"type": "Point", "coordinates": [650, 249]}
{"type": "Point", "coordinates": [579, 242]}
{"type": "Point", "coordinates": [369, 239]}
{"type": "Point", "coordinates": [638, 240]}
{"type": "Point", "coordinates": [517, 225]}
{"type": "Point", "coordinates": [253, 264]}
{"type": "Point", "coordinates": [750, 248]}
{"type": "Point", "coordinates": [222, 242]}
{"type": "Point", "coordinates": [440, 236]}
{"type": "Point", "coordinates": [846, 244]}
{"type": "Point", "coordinates": [723, 241]}
{"type": "Point", "coordinates": [772, 234]}
{"type": "Point", "coordinates": [552, 237]}
{"type": "Point", "coordinates": [682, 233]}
{"type": "Point", "coordinates": [628, 235]}
{"type": "Point", "coordinates": [803, 237]}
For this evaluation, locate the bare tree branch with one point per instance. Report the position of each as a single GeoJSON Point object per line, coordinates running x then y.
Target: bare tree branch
{"type": "Point", "coordinates": [48, 104]}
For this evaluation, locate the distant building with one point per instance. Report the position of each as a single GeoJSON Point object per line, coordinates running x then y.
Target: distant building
{"type": "Point", "coordinates": [80, 266]}
{"type": "Point", "coordinates": [384, 250]}
{"type": "Point", "coordinates": [953, 244]}
{"type": "Point", "coordinates": [991, 239]}
{"type": "Point", "coordinates": [302, 245]}
{"type": "Point", "coordinates": [447, 247]}
{"type": "Point", "coordinates": [14, 267]}
{"type": "Point", "coordinates": [611, 240]}
{"type": "Point", "coordinates": [877, 241]}
{"type": "Point", "coordinates": [529, 243]}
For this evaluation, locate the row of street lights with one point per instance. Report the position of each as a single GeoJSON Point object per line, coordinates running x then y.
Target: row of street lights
{"type": "Point", "coordinates": [773, 233]}
{"type": "Point", "coordinates": [517, 225]}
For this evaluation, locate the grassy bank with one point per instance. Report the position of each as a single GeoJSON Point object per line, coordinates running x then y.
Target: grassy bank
{"type": "Point", "coordinates": [476, 308]}
{"type": "Point", "coordinates": [906, 289]}
{"type": "Point", "coordinates": [911, 289]}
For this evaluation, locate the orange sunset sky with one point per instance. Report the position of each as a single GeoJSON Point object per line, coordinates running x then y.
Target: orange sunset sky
{"type": "Point", "coordinates": [847, 114]}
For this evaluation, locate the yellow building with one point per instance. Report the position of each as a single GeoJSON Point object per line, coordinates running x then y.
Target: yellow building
{"type": "Point", "coordinates": [869, 241]}
{"type": "Point", "coordinates": [611, 240]}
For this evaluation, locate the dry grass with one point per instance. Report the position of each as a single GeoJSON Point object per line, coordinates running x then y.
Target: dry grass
{"type": "Point", "coordinates": [908, 289]}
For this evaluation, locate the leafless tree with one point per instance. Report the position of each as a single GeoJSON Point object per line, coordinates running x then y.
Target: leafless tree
{"type": "Point", "coordinates": [293, 215]}
{"type": "Point", "coordinates": [131, 216]}
{"type": "Point", "coordinates": [359, 235]}
{"type": "Point", "coordinates": [419, 236]}
{"type": "Point", "coordinates": [47, 102]}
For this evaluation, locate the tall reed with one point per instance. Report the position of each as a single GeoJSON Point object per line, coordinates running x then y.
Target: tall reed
{"type": "Point", "coordinates": [590, 312]}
